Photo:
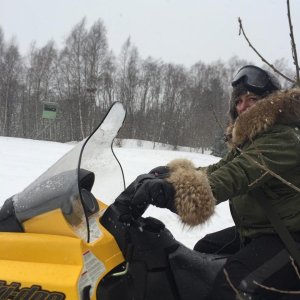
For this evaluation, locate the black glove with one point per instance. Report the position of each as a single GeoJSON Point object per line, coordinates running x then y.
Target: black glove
{"type": "Point", "coordinates": [155, 191]}
{"type": "Point", "coordinates": [146, 189]}
{"type": "Point", "coordinates": [124, 202]}
{"type": "Point", "coordinates": [160, 172]}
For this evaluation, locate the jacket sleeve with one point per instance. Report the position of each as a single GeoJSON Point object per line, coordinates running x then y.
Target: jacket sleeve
{"type": "Point", "coordinates": [229, 156]}
{"type": "Point", "coordinates": [278, 150]}
{"type": "Point", "coordinates": [211, 168]}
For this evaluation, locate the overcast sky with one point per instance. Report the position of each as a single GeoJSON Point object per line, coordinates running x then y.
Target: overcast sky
{"type": "Point", "coordinates": [177, 31]}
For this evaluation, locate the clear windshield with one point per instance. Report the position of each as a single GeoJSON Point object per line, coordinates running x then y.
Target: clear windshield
{"type": "Point", "coordinates": [98, 157]}
{"type": "Point", "coordinates": [59, 187]}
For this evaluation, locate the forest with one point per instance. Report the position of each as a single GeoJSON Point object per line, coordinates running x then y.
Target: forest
{"type": "Point", "coordinates": [165, 102]}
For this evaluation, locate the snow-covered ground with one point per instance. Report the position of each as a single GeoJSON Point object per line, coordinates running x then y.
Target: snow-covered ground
{"type": "Point", "coordinates": [22, 160]}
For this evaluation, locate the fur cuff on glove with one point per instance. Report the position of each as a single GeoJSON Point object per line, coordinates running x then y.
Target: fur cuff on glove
{"type": "Point", "coordinates": [194, 200]}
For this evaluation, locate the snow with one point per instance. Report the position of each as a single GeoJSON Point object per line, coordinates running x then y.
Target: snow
{"type": "Point", "coordinates": [23, 160]}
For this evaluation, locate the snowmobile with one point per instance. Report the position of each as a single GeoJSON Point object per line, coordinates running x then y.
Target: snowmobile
{"type": "Point", "coordinates": [59, 240]}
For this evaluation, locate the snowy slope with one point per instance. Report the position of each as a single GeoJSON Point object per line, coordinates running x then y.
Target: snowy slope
{"type": "Point", "coordinates": [22, 160]}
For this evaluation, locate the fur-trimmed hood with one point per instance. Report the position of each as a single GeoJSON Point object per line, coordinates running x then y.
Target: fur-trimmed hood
{"type": "Point", "coordinates": [282, 107]}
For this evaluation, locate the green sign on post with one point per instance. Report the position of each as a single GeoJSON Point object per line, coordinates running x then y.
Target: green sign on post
{"type": "Point", "coordinates": [49, 110]}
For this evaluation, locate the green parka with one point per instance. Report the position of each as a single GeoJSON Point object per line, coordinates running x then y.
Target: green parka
{"type": "Point", "coordinates": [265, 154]}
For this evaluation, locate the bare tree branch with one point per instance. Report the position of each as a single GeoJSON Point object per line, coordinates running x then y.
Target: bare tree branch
{"type": "Point", "coordinates": [216, 117]}
{"type": "Point", "coordinates": [276, 290]}
{"type": "Point", "coordinates": [265, 168]}
{"type": "Point", "coordinates": [241, 30]}
{"type": "Point", "coordinates": [293, 44]}
{"type": "Point", "coordinates": [295, 267]}
{"type": "Point", "coordinates": [238, 295]}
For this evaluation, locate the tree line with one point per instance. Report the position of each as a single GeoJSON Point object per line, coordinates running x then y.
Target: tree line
{"type": "Point", "coordinates": [165, 102]}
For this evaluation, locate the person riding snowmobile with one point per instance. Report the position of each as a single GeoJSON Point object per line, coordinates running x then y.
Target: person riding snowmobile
{"type": "Point", "coordinates": [264, 142]}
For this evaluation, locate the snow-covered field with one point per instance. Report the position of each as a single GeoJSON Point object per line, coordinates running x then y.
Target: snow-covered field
{"type": "Point", "coordinates": [22, 160]}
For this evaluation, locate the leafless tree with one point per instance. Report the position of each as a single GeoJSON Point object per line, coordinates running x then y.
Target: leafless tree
{"type": "Point", "coordinates": [295, 80]}
{"type": "Point", "coordinates": [165, 103]}
{"type": "Point", "coordinates": [9, 87]}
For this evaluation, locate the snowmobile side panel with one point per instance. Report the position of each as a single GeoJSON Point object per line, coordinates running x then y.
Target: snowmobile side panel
{"type": "Point", "coordinates": [55, 263]}
{"type": "Point", "coordinates": [107, 250]}
{"type": "Point", "coordinates": [103, 244]}
{"type": "Point", "coordinates": [99, 256]}
{"type": "Point", "coordinates": [37, 264]}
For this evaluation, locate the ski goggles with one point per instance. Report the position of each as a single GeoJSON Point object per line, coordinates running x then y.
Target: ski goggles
{"type": "Point", "coordinates": [255, 78]}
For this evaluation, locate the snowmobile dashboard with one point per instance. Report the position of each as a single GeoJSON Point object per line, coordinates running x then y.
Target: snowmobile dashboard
{"type": "Point", "coordinates": [14, 211]}
{"type": "Point", "coordinates": [89, 202]}
{"type": "Point", "coordinates": [86, 182]}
